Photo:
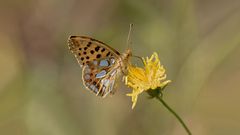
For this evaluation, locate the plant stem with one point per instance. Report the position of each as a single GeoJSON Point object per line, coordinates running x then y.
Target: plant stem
{"type": "Point", "coordinates": [175, 114]}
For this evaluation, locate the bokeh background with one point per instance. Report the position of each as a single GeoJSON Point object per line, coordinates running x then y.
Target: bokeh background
{"type": "Point", "coordinates": [41, 91]}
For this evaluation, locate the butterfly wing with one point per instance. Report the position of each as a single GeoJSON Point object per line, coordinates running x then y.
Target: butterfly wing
{"type": "Point", "coordinates": [99, 62]}
{"type": "Point", "coordinates": [87, 49]}
{"type": "Point", "coordinates": [99, 76]}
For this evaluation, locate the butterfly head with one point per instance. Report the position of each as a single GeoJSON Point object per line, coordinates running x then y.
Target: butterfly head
{"type": "Point", "coordinates": [125, 60]}
{"type": "Point", "coordinates": [126, 55]}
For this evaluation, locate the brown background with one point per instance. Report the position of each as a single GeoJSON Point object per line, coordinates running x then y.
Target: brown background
{"type": "Point", "coordinates": [41, 92]}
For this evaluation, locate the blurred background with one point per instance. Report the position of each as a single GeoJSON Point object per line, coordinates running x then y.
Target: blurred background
{"type": "Point", "coordinates": [41, 91]}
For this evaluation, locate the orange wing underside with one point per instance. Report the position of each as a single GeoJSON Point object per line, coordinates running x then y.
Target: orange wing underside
{"type": "Point", "coordinates": [87, 49]}
{"type": "Point", "coordinates": [99, 62]}
{"type": "Point", "coordinates": [101, 82]}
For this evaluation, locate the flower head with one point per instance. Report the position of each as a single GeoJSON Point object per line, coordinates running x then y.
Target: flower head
{"type": "Point", "coordinates": [150, 77]}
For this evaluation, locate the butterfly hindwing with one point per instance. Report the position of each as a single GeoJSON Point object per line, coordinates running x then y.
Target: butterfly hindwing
{"type": "Point", "coordinates": [99, 76]}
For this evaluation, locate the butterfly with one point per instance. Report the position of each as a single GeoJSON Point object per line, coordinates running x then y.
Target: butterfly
{"type": "Point", "coordinates": [101, 64]}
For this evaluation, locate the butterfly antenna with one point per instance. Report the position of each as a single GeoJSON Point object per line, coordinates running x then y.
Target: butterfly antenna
{"type": "Point", "coordinates": [129, 35]}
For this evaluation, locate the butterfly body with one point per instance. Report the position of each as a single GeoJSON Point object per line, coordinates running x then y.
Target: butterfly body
{"type": "Point", "coordinates": [101, 64]}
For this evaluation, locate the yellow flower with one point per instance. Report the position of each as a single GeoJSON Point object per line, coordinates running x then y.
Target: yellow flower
{"type": "Point", "coordinates": [150, 77]}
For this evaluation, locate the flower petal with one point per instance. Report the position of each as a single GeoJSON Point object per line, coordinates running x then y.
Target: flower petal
{"type": "Point", "coordinates": [151, 76]}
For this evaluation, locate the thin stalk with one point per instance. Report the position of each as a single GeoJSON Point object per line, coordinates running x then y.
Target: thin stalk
{"type": "Point", "coordinates": [175, 114]}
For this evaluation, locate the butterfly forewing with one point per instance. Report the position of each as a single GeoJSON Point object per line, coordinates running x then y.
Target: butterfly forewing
{"type": "Point", "coordinates": [87, 49]}
{"type": "Point", "coordinates": [99, 62]}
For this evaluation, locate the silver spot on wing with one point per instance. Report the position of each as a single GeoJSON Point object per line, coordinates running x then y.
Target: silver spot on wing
{"type": "Point", "coordinates": [101, 74]}
{"type": "Point", "coordinates": [104, 63]}
{"type": "Point", "coordinates": [87, 76]}
{"type": "Point", "coordinates": [112, 61]}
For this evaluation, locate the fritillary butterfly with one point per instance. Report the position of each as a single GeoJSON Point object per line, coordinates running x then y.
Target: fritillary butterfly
{"type": "Point", "coordinates": [101, 64]}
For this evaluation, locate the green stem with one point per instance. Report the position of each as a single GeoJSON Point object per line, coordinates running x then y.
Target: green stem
{"type": "Point", "coordinates": [175, 114]}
